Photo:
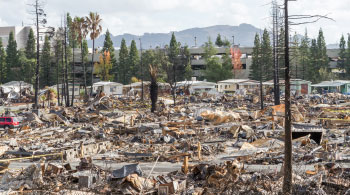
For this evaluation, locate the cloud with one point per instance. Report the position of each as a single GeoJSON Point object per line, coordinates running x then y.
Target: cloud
{"type": "Point", "coordinates": [140, 16]}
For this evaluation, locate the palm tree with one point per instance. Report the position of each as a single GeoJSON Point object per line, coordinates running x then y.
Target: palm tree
{"type": "Point", "coordinates": [95, 29]}
{"type": "Point", "coordinates": [81, 28]}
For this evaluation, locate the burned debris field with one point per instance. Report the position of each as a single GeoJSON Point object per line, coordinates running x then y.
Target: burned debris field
{"type": "Point", "coordinates": [202, 145]}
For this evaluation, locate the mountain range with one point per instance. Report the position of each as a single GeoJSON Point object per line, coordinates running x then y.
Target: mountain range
{"type": "Point", "coordinates": [243, 35]}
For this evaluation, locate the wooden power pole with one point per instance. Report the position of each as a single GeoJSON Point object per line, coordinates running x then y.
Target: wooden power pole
{"type": "Point", "coordinates": [287, 180]}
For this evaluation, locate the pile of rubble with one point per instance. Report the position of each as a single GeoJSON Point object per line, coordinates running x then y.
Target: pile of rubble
{"type": "Point", "coordinates": [203, 145]}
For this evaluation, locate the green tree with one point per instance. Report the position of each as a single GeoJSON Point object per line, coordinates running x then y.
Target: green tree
{"type": "Point", "coordinates": [254, 73]}
{"type": "Point", "coordinates": [171, 69]}
{"type": "Point", "coordinates": [123, 69]}
{"type": "Point", "coordinates": [11, 58]}
{"type": "Point", "coordinates": [304, 58]}
{"type": "Point", "coordinates": [266, 56]}
{"type": "Point", "coordinates": [209, 50]}
{"type": "Point", "coordinates": [46, 70]}
{"type": "Point", "coordinates": [71, 34]}
{"type": "Point", "coordinates": [347, 59]}
{"type": "Point", "coordinates": [108, 46]}
{"type": "Point", "coordinates": [188, 72]}
{"type": "Point", "coordinates": [226, 72]}
{"type": "Point", "coordinates": [150, 57]}
{"type": "Point", "coordinates": [161, 61]}
{"type": "Point", "coordinates": [2, 62]}
{"type": "Point", "coordinates": [342, 53]}
{"type": "Point", "coordinates": [226, 43]}
{"type": "Point", "coordinates": [134, 58]}
{"type": "Point", "coordinates": [326, 75]}
{"type": "Point", "coordinates": [30, 47]}
{"type": "Point", "coordinates": [174, 49]}
{"type": "Point", "coordinates": [216, 69]}
{"type": "Point", "coordinates": [85, 50]}
{"type": "Point", "coordinates": [186, 61]}
{"type": "Point", "coordinates": [322, 50]}
{"type": "Point", "coordinates": [27, 67]}
{"type": "Point", "coordinates": [295, 56]}
{"type": "Point", "coordinates": [103, 68]}
{"type": "Point", "coordinates": [218, 41]}
{"type": "Point", "coordinates": [312, 73]}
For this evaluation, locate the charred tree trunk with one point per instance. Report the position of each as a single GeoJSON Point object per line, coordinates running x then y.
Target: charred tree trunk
{"type": "Point", "coordinates": [275, 54]}
{"type": "Point", "coordinates": [57, 79]}
{"type": "Point", "coordinates": [261, 85]}
{"type": "Point", "coordinates": [153, 88]}
{"type": "Point", "coordinates": [66, 65]}
{"type": "Point", "coordinates": [73, 76]}
{"type": "Point", "coordinates": [92, 65]}
{"type": "Point", "coordinates": [63, 76]}
{"type": "Point", "coordinates": [84, 67]}
{"type": "Point", "coordinates": [141, 66]}
{"type": "Point", "coordinates": [174, 77]}
{"type": "Point", "coordinates": [37, 58]}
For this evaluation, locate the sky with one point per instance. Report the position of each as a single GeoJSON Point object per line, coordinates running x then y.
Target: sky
{"type": "Point", "coordinates": [162, 16]}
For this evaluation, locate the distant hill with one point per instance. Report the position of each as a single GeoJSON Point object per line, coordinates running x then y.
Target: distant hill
{"type": "Point", "coordinates": [244, 35]}
{"type": "Point", "coordinates": [333, 46]}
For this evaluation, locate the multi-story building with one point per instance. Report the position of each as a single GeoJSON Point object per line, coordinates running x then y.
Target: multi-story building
{"type": "Point", "coordinates": [198, 62]}
{"type": "Point", "coordinates": [21, 35]}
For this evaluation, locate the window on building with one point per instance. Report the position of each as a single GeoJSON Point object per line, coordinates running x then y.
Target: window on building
{"type": "Point", "coordinates": [5, 39]}
{"type": "Point", "coordinates": [113, 89]}
{"type": "Point", "coordinates": [244, 66]}
{"type": "Point", "coordinates": [225, 86]}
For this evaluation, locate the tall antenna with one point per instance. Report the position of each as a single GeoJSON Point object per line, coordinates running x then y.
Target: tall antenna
{"type": "Point", "coordinates": [40, 21]}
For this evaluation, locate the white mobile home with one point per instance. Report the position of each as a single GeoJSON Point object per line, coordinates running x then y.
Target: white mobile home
{"type": "Point", "coordinates": [230, 85]}
{"type": "Point", "coordinates": [198, 87]}
{"type": "Point", "coordinates": [108, 88]}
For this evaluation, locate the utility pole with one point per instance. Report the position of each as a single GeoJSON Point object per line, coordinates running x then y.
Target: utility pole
{"type": "Point", "coordinates": [287, 179]}
{"type": "Point", "coordinates": [141, 66]}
